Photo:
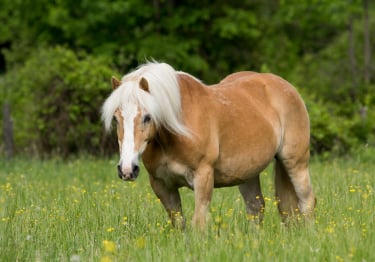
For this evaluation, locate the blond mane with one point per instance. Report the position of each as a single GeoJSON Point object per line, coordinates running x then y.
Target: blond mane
{"type": "Point", "coordinates": [163, 100]}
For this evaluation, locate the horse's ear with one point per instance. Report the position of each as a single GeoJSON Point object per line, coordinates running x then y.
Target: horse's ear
{"type": "Point", "coordinates": [143, 84]}
{"type": "Point", "coordinates": [115, 82]}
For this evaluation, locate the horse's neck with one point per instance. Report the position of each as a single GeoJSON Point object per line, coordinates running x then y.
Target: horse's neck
{"type": "Point", "coordinates": [192, 92]}
{"type": "Point", "coordinates": [189, 83]}
{"type": "Point", "coordinates": [164, 139]}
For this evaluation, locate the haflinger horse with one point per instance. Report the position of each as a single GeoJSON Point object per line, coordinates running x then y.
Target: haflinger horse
{"type": "Point", "coordinates": [201, 137]}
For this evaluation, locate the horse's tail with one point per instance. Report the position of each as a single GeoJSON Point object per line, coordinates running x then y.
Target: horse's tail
{"type": "Point", "coordinates": [285, 192]}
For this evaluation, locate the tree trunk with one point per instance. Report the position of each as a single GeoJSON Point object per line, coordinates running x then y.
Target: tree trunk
{"type": "Point", "coordinates": [352, 60]}
{"type": "Point", "coordinates": [157, 10]}
{"type": "Point", "coordinates": [8, 131]}
{"type": "Point", "coordinates": [367, 47]}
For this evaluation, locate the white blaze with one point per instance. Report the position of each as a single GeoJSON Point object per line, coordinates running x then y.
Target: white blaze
{"type": "Point", "coordinates": [128, 154]}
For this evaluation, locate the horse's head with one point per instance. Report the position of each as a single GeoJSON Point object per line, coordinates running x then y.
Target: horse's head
{"type": "Point", "coordinates": [135, 129]}
{"type": "Point", "coordinates": [142, 102]}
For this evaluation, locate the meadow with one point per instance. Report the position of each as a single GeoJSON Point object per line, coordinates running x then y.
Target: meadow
{"type": "Point", "coordinates": [78, 210]}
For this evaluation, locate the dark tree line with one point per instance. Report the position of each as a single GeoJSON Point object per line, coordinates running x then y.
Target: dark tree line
{"type": "Point", "coordinates": [57, 57]}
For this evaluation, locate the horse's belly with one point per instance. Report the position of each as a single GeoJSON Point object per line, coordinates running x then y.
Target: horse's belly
{"type": "Point", "coordinates": [238, 168]}
{"type": "Point", "coordinates": [231, 177]}
{"type": "Point", "coordinates": [246, 151]}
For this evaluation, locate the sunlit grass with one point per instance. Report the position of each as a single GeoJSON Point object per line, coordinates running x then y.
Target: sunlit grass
{"type": "Point", "coordinates": [79, 210]}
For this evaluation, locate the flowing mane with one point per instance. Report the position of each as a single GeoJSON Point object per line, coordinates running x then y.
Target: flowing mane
{"type": "Point", "coordinates": [162, 101]}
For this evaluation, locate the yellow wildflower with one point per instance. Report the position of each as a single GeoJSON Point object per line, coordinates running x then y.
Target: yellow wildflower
{"type": "Point", "coordinates": [110, 229]}
{"type": "Point", "coordinates": [140, 242]}
{"type": "Point", "coordinates": [109, 246]}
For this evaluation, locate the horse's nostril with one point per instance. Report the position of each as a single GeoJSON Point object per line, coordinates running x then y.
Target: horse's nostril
{"type": "Point", "coordinates": [135, 169]}
{"type": "Point", "coordinates": [119, 171]}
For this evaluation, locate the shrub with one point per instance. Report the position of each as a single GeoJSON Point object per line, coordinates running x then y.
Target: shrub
{"type": "Point", "coordinates": [55, 99]}
{"type": "Point", "coordinates": [333, 131]}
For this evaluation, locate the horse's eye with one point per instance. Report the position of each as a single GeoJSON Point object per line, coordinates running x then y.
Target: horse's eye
{"type": "Point", "coordinates": [146, 119]}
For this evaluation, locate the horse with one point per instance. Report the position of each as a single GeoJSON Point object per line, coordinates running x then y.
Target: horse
{"type": "Point", "coordinates": [193, 135]}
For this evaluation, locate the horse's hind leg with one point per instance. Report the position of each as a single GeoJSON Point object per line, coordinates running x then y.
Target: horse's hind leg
{"type": "Point", "coordinates": [293, 186]}
{"type": "Point", "coordinates": [285, 193]}
{"type": "Point", "coordinates": [254, 201]}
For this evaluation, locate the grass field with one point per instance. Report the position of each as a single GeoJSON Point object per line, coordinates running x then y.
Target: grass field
{"type": "Point", "coordinates": [79, 210]}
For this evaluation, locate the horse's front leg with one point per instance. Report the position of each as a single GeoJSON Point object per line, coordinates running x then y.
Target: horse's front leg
{"type": "Point", "coordinates": [203, 189]}
{"type": "Point", "coordinates": [170, 198]}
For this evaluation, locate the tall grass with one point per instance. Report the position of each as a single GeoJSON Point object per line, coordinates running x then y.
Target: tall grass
{"type": "Point", "coordinates": [79, 210]}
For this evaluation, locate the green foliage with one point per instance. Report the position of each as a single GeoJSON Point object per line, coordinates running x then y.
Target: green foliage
{"type": "Point", "coordinates": [305, 42]}
{"type": "Point", "coordinates": [56, 98]}
{"type": "Point", "coordinates": [330, 132]}
{"type": "Point", "coordinates": [340, 103]}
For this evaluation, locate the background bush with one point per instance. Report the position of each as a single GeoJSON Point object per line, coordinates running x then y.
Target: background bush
{"type": "Point", "coordinates": [55, 99]}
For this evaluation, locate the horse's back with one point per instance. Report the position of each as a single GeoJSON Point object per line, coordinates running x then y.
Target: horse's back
{"type": "Point", "coordinates": [272, 89]}
{"type": "Point", "coordinates": [248, 96]}
{"type": "Point", "coordinates": [238, 75]}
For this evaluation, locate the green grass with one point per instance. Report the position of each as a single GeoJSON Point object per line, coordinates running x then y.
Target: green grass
{"type": "Point", "coordinates": [79, 210]}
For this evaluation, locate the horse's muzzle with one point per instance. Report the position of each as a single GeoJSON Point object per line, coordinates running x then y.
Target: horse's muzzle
{"type": "Point", "coordinates": [128, 176]}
